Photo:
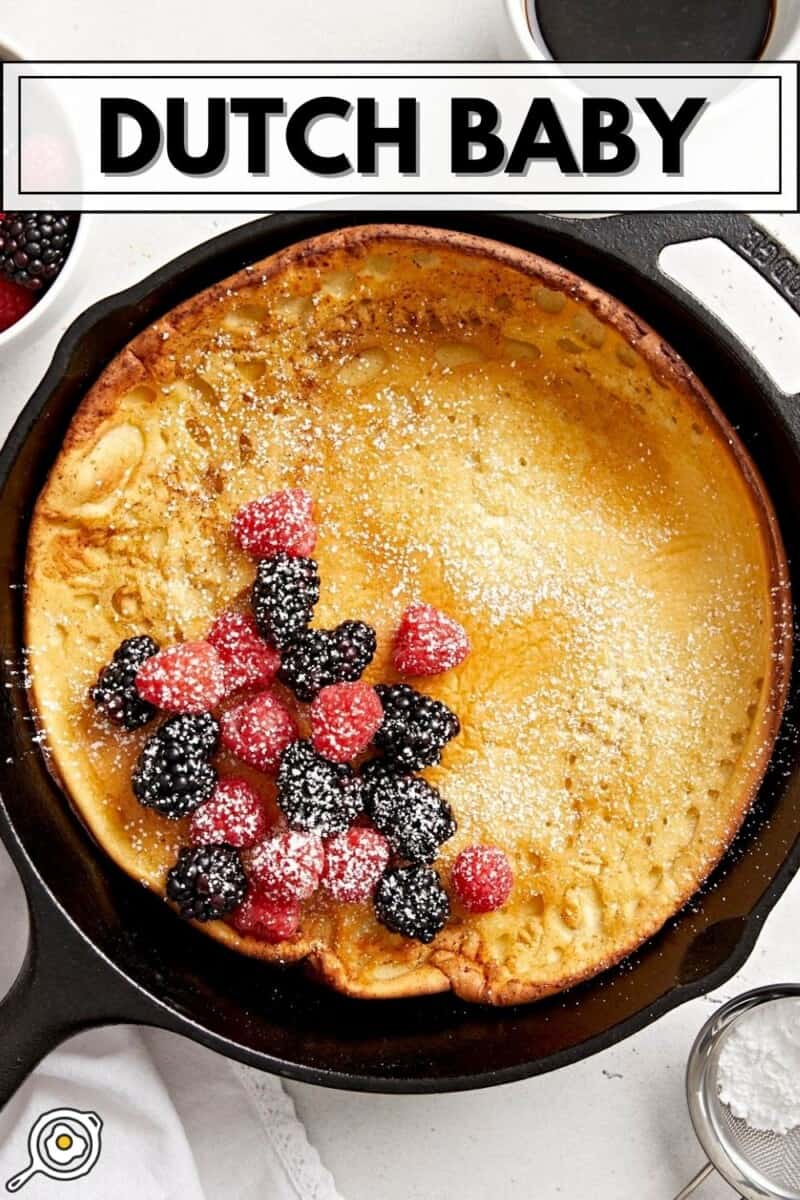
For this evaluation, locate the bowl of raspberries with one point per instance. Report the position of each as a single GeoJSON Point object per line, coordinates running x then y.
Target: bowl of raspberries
{"type": "Point", "coordinates": [37, 251]}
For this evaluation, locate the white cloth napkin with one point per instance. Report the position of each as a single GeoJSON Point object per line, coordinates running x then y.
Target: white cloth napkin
{"type": "Point", "coordinates": [179, 1121]}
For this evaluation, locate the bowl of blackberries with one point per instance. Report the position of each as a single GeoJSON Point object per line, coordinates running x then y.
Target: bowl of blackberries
{"type": "Point", "coordinates": [37, 251]}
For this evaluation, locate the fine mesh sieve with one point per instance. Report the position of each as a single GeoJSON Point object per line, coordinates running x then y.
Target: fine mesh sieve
{"type": "Point", "coordinates": [758, 1164]}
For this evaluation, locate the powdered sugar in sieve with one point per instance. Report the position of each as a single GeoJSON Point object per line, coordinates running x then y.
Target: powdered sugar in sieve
{"type": "Point", "coordinates": [738, 1057]}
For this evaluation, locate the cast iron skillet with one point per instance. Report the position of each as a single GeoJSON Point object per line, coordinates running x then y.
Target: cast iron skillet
{"type": "Point", "coordinates": [102, 950]}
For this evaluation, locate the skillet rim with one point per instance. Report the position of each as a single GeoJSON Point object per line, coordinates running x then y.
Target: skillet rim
{"type": "Point", "coordinates": [171, 272]}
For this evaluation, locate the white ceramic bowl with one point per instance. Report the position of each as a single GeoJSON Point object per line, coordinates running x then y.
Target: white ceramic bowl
{"type": "Point", "coordinates": [784, 37]}
{"type": "Point", "coordinates": [515, 37]}
{"type": "Point", "coordinates": [54, 294]}
{"type": "Point", "coordinates": [50, 298]}
{"type": "Point", "coordinates": [9, 52]}
{"type": "Point", "coordinates": [518, 36]}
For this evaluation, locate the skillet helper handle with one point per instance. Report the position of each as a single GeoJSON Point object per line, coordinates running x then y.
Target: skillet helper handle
{"type": "Point", "coordinates": [762, 251]}
{"type": "Point", "coordinates": [640, 242]}
{"type": "Point", "coordinates": [62, 988]}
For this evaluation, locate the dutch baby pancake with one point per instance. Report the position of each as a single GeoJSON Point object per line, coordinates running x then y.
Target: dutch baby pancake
{"type": "Point", "coordinates": [532, 674]}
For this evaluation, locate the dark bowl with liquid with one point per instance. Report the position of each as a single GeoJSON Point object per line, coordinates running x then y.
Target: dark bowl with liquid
{"type": "Point", "coordinates": [631, 31]}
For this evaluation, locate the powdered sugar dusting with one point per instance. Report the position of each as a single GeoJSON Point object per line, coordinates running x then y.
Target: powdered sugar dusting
{"type": "Point", "coordinates": [589, 538]}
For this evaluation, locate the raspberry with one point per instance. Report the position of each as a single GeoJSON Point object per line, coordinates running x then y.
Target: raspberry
{"type": "Point", "coordinates": [247, 660]}
{"type": "Point", "coordinates": [15, 302]}
{"type": "Point", "coordinates": [267, 920]}
{"type": "Point", "coordinates": [234, 816]}
{"type": "Point", "coordinates": [207, 882]}
{"type": "Point", "coordinates": [288, 866]}
{"type": "Point", "coordinates": [482, 878]}
{"type": "Point", "coordinates": [354, 862]}
{"type": "Point", "coordinates": [412, 901]}
{"type": "Point", "coordinates": [283, 596]}
{"type": "Point", "coordinates": [258, 731]}
{"type": "Point", "coordinates": [344, 718]}
{"type": "Point", "coordinates": [187, 678]}
{"type": "Point", "coordinates": [428, 642]}
{"type": "Point", "coordinates": [280, 523]}
{"type": "Point", "coordinates": [317, 795]}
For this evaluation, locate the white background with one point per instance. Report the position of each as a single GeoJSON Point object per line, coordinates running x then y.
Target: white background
{"type": "Point", "coordinates": [614, 1127]}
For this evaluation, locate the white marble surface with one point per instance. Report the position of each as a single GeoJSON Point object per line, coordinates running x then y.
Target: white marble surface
{"type": "Point", "coordinates": [614, 1126]}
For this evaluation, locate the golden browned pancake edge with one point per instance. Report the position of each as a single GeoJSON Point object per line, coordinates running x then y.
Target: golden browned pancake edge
{"type": "Point", "coordinates": [484, 431]}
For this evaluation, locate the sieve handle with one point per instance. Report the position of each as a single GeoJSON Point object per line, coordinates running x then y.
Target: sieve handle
{"type": "Point", "coordinates": [694, 1183]}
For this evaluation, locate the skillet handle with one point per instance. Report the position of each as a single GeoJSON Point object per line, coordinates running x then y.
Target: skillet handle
{"type": "Point", "coordinates": [640, 243]}
{"type": "Point", "coordinates": [765, 254]}
{"type": "Point", "coordinates": [62, 988]}
{"type": "Point", "coordinates": [25, 1038]}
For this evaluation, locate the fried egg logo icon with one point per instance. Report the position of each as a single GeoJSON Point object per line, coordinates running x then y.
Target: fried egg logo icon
{"type": "Point", "coordinates": [63, 1144]}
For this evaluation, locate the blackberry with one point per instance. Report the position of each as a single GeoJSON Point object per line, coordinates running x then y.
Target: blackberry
{"type": "Point", "coordinates": [114, 694]}
{"type": "Point", "coordinates": [356, 643]}
{"type": "Point", "coordinates": [198, 731]}
{"type": "Point", "coordinates": [415, 728]}
{"type": "Point", "coordinates": [409, 812]}
{"type": "Point", "coordinates": [173, 774]}
{"type": "Point", "coordinates": [317, 795]}
{"type": "Point", "coordinates": [412, 901]}
{"type": "Point", "coordinates": [207, 882]}
{"type": "Point", "coordinates": [285, 590]}
{"type": "Point", "coordinates": [320, 657]}
{"type": "Point", "coordinates": [34, 247]}
{"type": "Point", "coordinates": [308, 664]}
